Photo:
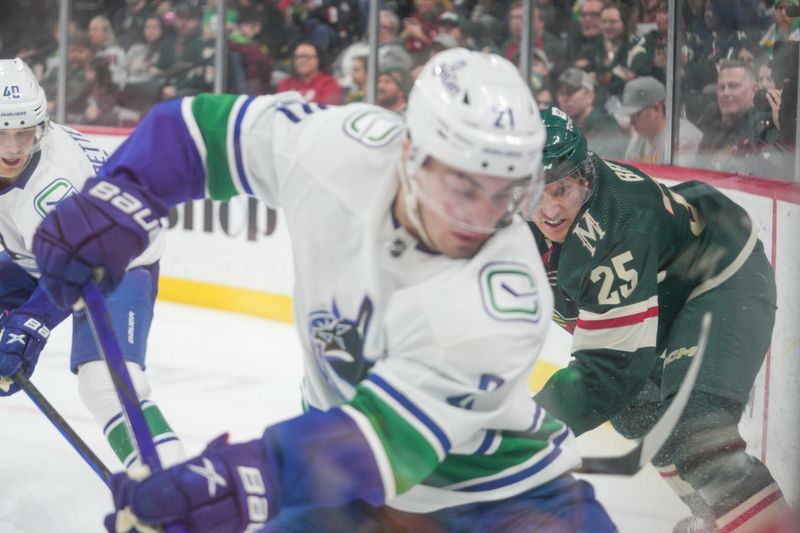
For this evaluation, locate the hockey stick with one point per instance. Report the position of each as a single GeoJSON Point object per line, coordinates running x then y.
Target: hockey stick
{"type": "Point", "coordinates": [110, 351]}
{"type": "Point", "coordinates": [646, 448]}
{"type": "Point", "coordinates": [62, 426]}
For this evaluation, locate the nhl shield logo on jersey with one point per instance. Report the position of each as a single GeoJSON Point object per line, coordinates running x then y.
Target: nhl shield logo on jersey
{"type": "Point", "coordinates": [50, 196]}
{"type": "Point", "coordinates": [509, 291]}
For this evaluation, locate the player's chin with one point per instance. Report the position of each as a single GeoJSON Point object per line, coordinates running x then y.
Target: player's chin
{"type": "Point", "coordinates": [462, 245]}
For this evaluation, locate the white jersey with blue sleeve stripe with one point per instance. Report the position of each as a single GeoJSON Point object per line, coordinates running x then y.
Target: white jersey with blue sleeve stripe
{"type": "Point", "coordinates": [428, 356]}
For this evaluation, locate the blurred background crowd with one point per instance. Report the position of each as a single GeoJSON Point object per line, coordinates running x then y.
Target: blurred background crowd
{"type": "Point", "coordinates": [602, 61]}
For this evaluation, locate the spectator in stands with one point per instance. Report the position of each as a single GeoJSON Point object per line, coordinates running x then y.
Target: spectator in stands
{"type": "Point", "coordinates": [619, 55]}
{"type": "Point", "coordinates": [784, 28]}
{"type": "Point", "coordinates": [544, 40]}
{"type": "Point", "coordinates": [24, 26]}
{"type": "Point", "coordinates": [128, 22]}
{"type": "Point", "coordinates": [727, 39]}
{"type": "Point", "coordinates": [489, 19]}
{"type": "Point", "coordinates": [309, 77]}
{"type": "Point", "coordinates": [392, 52]}
{"type": "Point", "coordinates": [643, 100]}
{"type": "Point", "coordinates": [510, 48]}
{"type": "Point", "coordinates": [37, 48]}
{"type": "Point", "coordinates": [575, 97]}
{"type": "Point", "coordinates": [645, 11]}
{"type": "Point", "coordinates": [146, 62]}
{"type": "Point", "coordinates": [768, 97]}
{"type": "Point", "coordinates": [586, 32]}
{"type": "Point", "coordinates": [420, 28]}
{"type": "Point", "coordinates": [735, 134]}
{"type": "Point", "coordinates": [544, 97]}
{"type": "Point", "coordinates": [393, 87]}
{"type": "Point", "coordinates": [48, 67]}
{"type": "Point", "coordinates": [105, 46]}
{"type": "Point", "coordinates": [343, 64]}
{"type": "Point", "coordinates": [454, 25]}
{"type": "Point", "coordinates": [357, 91]}
{"type": "Point", "coordinates": [655, 43]}
{"type": "Point", "coordinates": [277, 30]}
{"type": "Point", "coordinates": [541, 68]}
{"type": "Point", "coordinates": [317, 21]}
{"type": "Point", "coordinates": [554, 15]}
{"type": "Point", "coordinates": [764, 78]}
{"type": "Point", "coordinates": [251, 56]}
{"type": "Point", "coordinates": [192, 71]}
{"type": "Point", "coordinates": [209, 20]}
{"type": "Point", "coordinates": [442, 41]}
{"type": "Point", "coordinates": [391, 49]}
{"type": "Point", "coordinates": [78, 57]}
{"type": "Point", "coordinates": [102, 98]}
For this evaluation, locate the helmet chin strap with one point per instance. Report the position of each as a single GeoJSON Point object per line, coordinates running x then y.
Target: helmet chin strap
{"type": "Point", "coordinates": [411, 203]}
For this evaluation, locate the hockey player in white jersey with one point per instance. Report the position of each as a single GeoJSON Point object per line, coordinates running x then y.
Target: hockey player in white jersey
{"type": "Point", "coordinates": [41, 163]}
{"type": "Point", "coordinates": [419, 298]}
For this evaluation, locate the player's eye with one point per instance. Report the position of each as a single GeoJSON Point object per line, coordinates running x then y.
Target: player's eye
{"type": "Point", "coordinates": [460, 187]}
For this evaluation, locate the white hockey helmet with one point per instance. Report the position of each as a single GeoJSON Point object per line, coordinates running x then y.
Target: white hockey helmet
{"type": "Point", "coordinates": [23, 104]}
{"type": "Point", "coordinates": [474, 112]}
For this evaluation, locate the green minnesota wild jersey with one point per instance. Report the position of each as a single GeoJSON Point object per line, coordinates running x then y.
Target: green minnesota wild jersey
{"type": "Point", "coordinates": [635, 254]}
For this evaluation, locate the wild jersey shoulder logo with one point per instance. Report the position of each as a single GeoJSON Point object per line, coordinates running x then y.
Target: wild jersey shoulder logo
{"type": "Point", "coordinates": [509, 291]}
{"type": "Point", "coordinates": [338, 342]}
{"type": "Point", "coordinates": [374, 127]}
{"type": "Point", "coordinates": [588, 230]}
{"type": "Point", "coordinates": [49, 197]}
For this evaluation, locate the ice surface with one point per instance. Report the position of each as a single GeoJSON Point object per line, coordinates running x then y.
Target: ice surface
{"type": "Point", "coordinates": [210, 372]}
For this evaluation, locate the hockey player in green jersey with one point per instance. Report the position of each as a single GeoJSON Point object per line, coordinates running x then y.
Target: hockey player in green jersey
{"type": "Point", "coordinates": [634, 265]}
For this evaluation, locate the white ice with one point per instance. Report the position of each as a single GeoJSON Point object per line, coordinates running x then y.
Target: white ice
{"type": "Point", "coordinates": [211, 372]}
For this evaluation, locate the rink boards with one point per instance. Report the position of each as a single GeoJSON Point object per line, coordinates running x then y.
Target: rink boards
{"type": "Point", "coordinates": [237, 257]}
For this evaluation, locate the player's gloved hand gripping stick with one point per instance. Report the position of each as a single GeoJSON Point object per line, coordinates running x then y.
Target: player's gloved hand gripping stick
{"type": "Point", "coordinates": [110, 351]}
{"type": "Point", "coordinates": [23, 337]}
{"type": "Point", "coordinates": [647, 447]}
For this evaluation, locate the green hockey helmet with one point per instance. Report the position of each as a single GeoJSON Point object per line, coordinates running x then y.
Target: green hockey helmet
{"type": "Point", "coordinates": [565, 151]}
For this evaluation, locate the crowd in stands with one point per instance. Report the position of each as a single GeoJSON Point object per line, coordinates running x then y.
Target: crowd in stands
{"type": "Point", "coordinates": [602, 61]}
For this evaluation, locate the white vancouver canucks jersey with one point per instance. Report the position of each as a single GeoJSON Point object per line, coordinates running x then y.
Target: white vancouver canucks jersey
{"type": "Point", "coordinates": [429, 356]}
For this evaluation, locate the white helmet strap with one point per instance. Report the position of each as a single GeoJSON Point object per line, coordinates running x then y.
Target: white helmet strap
{"type": "Point", "coordinates": [410, 200]}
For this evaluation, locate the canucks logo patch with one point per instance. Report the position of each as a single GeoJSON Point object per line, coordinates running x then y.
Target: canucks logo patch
{"type": "Point", "coordinates": [373, 127]}
{"type": "Point", "coordinates": [509, 292]}
{"type": "Point", "coordinates": [51, 195]}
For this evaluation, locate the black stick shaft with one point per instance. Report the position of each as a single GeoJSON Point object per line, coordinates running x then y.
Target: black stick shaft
{"type": "Point", "coordinates": [63, 427]}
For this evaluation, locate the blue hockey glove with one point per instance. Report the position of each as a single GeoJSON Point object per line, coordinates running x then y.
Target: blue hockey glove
{"type": "Point", "coordinates": [105, 226]}
{"type": "Point", "coordinates": [21, 342]}
{"type": "Point", "coordinates": [227, 488]}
